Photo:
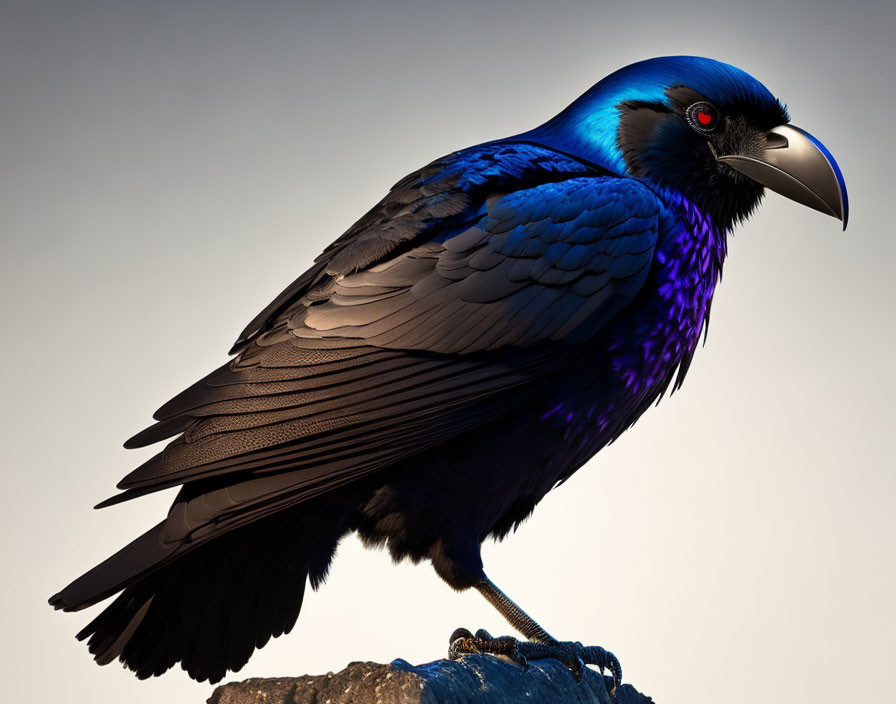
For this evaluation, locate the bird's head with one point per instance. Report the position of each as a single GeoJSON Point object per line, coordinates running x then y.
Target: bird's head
{"type": "Point", "coordinates": [701, 128]}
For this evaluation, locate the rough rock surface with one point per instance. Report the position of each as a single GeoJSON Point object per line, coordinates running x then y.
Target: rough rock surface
{"type": "Point", "coordinates": [477, 679]}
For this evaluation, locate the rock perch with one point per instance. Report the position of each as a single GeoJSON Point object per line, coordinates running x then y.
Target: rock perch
{"type": "Point", "coordinates": [477, 679]}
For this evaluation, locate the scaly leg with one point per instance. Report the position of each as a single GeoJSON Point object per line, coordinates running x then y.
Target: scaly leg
{"type": "Point", "coordinates": [539, 646]}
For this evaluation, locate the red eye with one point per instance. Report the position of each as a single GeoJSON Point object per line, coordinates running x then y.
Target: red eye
{"type": "Point", "coordinates": [703, 117]}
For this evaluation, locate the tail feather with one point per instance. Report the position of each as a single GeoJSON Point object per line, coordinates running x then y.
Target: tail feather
{"type": "Point", "coordinates": [208, 608]}
{"type": "Point", "coordinates": [125, 567]}
{"type": "Point", "coordinates": [107, 649]}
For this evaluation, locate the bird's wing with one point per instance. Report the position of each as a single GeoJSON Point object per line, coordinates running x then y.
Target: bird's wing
{"type": "Point", "coordinates": [367, 368]}
{"type": "Point", "coordinates": [442, 198]}
{"type": "Point", "coordinates": [552, 262]}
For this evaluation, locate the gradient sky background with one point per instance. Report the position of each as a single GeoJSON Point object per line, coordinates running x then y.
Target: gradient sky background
{"type": "Point", "coordinates": [167, 167]}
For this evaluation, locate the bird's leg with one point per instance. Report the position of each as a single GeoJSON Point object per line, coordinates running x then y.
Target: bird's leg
{"type": "Point", "coordinates": [539, 646]}
{"type": "Point", "coordinates": [510, 610]}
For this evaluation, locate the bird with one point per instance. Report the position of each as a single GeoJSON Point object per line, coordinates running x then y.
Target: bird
{"type": "Point", "coordinates": [499, 317]}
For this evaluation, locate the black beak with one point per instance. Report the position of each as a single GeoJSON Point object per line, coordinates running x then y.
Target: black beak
{"type": "Point", "coordinates": [799, 167]}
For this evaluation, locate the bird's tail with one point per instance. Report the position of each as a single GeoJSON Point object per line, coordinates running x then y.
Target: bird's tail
{"type": "Point", "coordinates": [209, 608]}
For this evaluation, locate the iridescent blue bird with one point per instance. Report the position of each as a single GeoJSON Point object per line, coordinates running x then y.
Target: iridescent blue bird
{"type": "Point", "coordinates": [492, 323]}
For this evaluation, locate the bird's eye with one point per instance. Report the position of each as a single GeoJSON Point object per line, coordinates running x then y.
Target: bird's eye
{"type": "Point", "coordinates": [703, 117]}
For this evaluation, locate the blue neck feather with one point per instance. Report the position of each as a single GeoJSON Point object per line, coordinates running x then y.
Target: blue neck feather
{"type": "Point", "coordinates": [588, 128]}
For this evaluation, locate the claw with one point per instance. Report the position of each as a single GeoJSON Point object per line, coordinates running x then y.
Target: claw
{"type": "Point", "coordinates": [572, 654]}
{"type": "Point", "coordinates": [604, 659]}
{"type": "Point", "coordinates": [459, 633]}
{"type": "Point", "coordinates": [454, 650]}
{"type": "Point", "coordinates": [456, 643]}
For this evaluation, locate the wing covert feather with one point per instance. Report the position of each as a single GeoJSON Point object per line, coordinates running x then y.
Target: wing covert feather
{"type": "Point", "coordinates": [551, 262]}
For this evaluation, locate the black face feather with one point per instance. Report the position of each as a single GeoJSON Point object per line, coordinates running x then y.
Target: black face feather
{"type": "Point", "coordinates": [661, 144]}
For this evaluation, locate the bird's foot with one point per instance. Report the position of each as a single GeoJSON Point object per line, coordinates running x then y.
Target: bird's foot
{"type": "Point", "coordinates": [572, 654]}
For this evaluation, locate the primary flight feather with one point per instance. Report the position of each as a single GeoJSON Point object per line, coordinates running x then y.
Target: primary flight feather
{"type": "Point", "coordinates": [492, 323]}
